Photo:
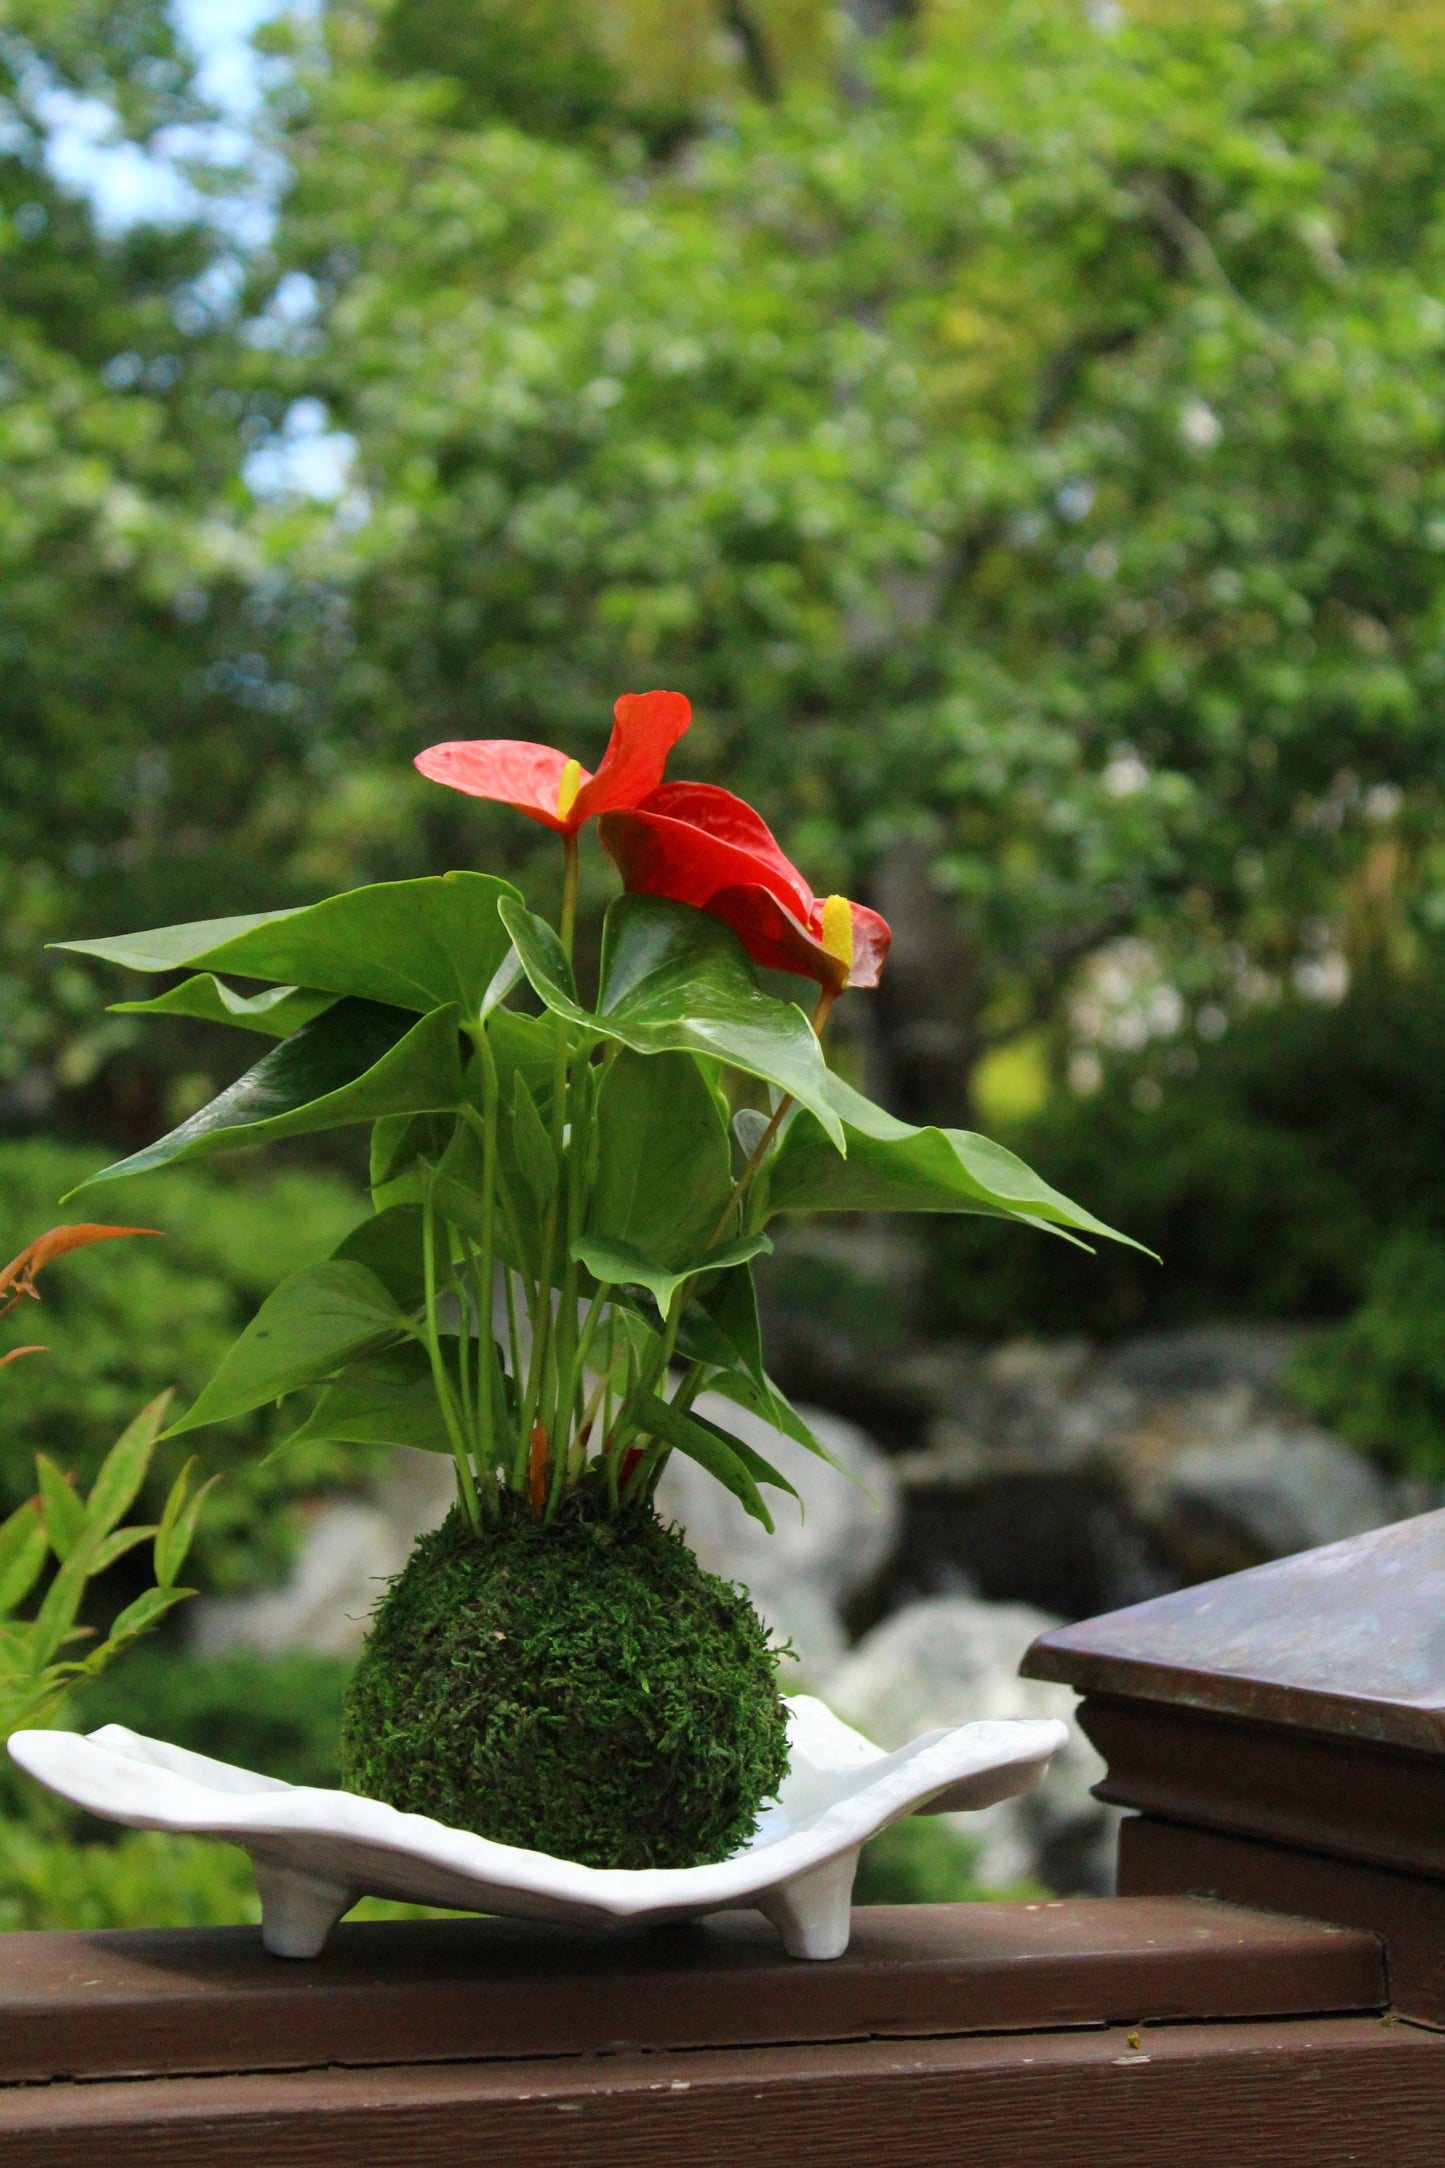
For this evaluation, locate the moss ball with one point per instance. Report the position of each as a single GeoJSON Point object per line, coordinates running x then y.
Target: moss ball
{"type": "Point", "coordinates": [583, 1689]}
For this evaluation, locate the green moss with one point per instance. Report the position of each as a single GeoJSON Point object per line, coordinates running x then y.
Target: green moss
{"type": "Point", "coordinates": [583, 1689]}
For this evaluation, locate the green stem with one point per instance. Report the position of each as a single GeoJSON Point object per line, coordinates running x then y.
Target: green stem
{"type": "Point", "coordinates": [569, 893]}
{"type": "Point", "coordinates": [487, 1265]}
{"type": "Point", "coordinates": [826, 997]}
{"type": "Point", "coordinates": [465, 1487]}
{"type": "Point", "coordinates": [514, 1338]}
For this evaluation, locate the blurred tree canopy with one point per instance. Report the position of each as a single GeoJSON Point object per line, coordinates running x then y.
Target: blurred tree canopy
{"type": "Point", "coordinates": [1024, 443]}
{"type": "Point", "coordinates": [143, 739]}
{"type": "Point", "coordinates": [1019, 429]}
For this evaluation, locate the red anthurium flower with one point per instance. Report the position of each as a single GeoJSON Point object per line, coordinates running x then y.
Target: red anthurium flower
{"type": "Point", "coordinates": [701, 845]}
{"type": "Point", "coordinates": [560, 793]}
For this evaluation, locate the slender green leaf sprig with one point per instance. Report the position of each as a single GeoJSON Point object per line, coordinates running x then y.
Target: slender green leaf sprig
{"type": "Point", "coordinates": [81, 1538]}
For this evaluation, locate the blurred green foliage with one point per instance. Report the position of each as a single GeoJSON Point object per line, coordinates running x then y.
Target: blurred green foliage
{"type": "Point", "coordinates": [125, 1320]}
{"type": "Point", "coordinates": [1379, 1379]}
{"type": "Point", "coordinates": [1269, 1175]}
{"type": "Point", "coordinates": [277, 1714]}
{"type": "Point", "coordinates": [924, 1860]}
{"type": "Point", "coordinates": [1023, 435]}
{"type": "Point", "coordinates": [1033, 467]}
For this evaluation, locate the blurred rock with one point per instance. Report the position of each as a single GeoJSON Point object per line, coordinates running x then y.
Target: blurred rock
{"type": "Point", "coordinates": [1082, 1480]}
{"type": "Point", "coordinates": [830, 1544]}
{"type": "Point", "coordinates": [954, 1660]}
{"type": "Point", "coordinates": [351, 1548]}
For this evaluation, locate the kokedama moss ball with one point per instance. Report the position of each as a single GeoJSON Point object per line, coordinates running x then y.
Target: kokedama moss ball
{"type": "Point", "coordinates": [583, 1689]}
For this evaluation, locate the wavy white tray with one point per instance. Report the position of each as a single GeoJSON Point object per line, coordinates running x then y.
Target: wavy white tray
{"type": "Point", "coordinates": [315, 1852]}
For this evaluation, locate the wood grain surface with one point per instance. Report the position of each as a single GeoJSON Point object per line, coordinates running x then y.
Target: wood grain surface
{"type": "Point", "coordinates": [1332, 2093]}
{"type": "Point", "coordinates": [164, 2003]}
{"type": "Point", "coordinates": [1345, 1640]}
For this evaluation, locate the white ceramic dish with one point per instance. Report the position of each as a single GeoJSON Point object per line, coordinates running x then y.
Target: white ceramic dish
{"type": "Point", "coordinates": [315, 1852]}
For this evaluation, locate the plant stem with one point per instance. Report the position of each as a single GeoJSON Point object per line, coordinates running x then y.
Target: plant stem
{"type": "Point", "coordinates": [569, 893]}
{"type": "Point", "coordinates": [486, 1268]}
{"type": "Point", "coordinates": [465, 1486]}
{"type": "Point", "coordinates": [826, 997]}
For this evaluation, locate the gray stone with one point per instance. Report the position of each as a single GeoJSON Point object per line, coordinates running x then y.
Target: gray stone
{"type": "Point", "coordinates": [351, 1548]}
{"type": "Point", "coordinates": [954, 1660]}
{"type": "Point", "coordinates": [1235, 1492]}
{"type": "Point", "coordinates": [1174, 1456]}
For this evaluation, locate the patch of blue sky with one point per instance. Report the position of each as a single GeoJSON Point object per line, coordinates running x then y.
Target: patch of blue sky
{"type": "Point", "coordinates": [127, 182]}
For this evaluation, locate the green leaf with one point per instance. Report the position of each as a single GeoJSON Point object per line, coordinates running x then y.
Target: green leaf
{"type": "Point", "coordinates": [398, 1142]}
{"type": "Point", "coordinates": [354, 1064]}
{"type": "Point", "coordinates": [56, 1616]}
{"type": "Point", "coordinates": [123, 1470]}
{"type": "Point", "coordinates": [24, 1548]}
{"type": "Point", "coordinates": [390, 1245]}
{"type": "Point", "coordinates": [892, 1167]}
{"type": "Point", "coordinates": [178, 1524]}
{"type": "Point", "coordinates": [621, 1264]}
{"type": "Point", "coordinates": [676, 981]}
{"type": "Point", "coordinates": [416, 944]}
{"type": "Point", "coordinates": [526, 1046]}
{"type": "Point", "coordinates": [735, 1465]}
{"type": "Point", "coordinates": [544, 960]}
{"type": "Point", "coordinates": [761, 1397]}
{"type": "Point", "coordinates": [721, 1326]}
{"type": "Point", "coordinates": [64, 1513]}
{"type": "Point", "coordinates": [277, 1012]}
{"type": "Point", "coordinates": [385, 1399]}
{"type": "Point", "coordinates": [315, 1321]}
{"type": "Point", "coordinates": [139, 1617]}
{"type": "Point", "coordinates": [115, 1546]}
{"type": "Point", "coordinates": [532, 1151]}
{"type": "Point", "coordinates": [664, 1176]}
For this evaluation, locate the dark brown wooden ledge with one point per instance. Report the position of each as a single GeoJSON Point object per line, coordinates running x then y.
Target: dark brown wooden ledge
{"type": "Point", "coordinates": [992, 2035]}
{"type": "Point", "coordinates": [193, 2003]}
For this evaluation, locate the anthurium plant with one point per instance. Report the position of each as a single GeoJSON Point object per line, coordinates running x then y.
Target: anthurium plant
{"type": "Point", "coordinates": [571, 1184]}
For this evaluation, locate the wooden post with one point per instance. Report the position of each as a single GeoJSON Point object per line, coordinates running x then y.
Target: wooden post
{"type": "Point", "coordinates": [1281, 1736]}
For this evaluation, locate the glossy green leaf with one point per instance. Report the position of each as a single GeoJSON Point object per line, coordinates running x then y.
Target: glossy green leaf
{"type": "Point", "coordinates": [415, 944]}
{"type": "Point", "coordinates": [621, 1264]}
{"type": "Point", "coordinates": [761, 1397]}
{"type": "Point", "coordinates": [64, 1513]}
{"type": "Point", "coordinates": [735, 1464]}
{"type": "Point", "coordinates": [892, 1167]}
{"type": "Point", "coordinates": [277, 1012]}
{"type": "Point", "coordinates": [390, 1245]}
{"type": "Point", "coordinates": [384, 1399]}
{"type": "Point", "coordinates": [24, 1548]}
{"type": "Point", "coordinates": [664, 1177]}
{"type": "Point", "coordinates": [353, 1064]}
{"type": "Point", "coordinates": [676, 981]}
{"type": "Point", "coordinates": [721, 1326]}
{"type": "Point", "coordinates": [123, 1470]}
{"type": "Point", "coordinates": [536, 1162]}
{"type": "Point", "coordinates": [398, 1143]}
{"type": "Point", "coordinates": [524, 1046]}
{"type": "Point", "coordinates": [316, 1320]}
{"type": "Point", "coordinates": [544, 960]}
